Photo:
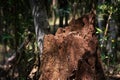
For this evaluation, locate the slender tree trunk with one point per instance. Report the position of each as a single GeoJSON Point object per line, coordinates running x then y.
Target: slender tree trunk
{"type": "Point", "coordinates": [100, 20]}
{"type": "Point", "coordinates": [40, 20]}
{"type": "Point", "coordinates": [15, 27]}
{"type": "Point", "coordinates": [41, 28]}
{"type": "Point", "coordinates": [111, 46]}
{"type": "Point", "coordinates": [1, 26]}
{"type": "Point", "coordinates": [3, 49]}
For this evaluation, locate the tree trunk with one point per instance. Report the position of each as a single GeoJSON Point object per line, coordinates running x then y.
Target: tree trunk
{"type": "Point", "coordinates": [41, 28]}
{"type": "Point", "coordinates": [72, 53]}
{"type": "Point", "coordinates": [40, 20]}
{"type": "Point", "coordinates": [3, 50]}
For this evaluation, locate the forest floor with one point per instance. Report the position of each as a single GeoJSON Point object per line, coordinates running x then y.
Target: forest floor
{"type": "Point", "coordinates": [113, 71]}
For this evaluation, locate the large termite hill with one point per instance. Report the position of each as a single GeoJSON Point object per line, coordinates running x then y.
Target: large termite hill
{"type": "Point", "coordinates": [72, 53]}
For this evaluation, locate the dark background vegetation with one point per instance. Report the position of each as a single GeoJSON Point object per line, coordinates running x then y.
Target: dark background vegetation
{"type": "Point", "coordinates": [19, 52]}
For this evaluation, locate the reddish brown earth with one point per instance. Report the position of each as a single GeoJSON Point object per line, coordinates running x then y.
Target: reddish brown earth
{"type": "Point", "coordinates": [72, 53]}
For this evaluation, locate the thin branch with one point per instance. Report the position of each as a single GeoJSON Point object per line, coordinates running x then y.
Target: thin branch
{"type": "Point", "coordinates": [107, 25]}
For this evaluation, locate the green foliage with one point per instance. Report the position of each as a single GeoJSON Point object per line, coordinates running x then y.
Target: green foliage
{"type": "Point", "coordinates": [6, 36]}
{"type": "Point", "coordinates": [108, 44]}
{"type": "Point", "coordinates": [16, 27]}
{"type": "Point", "coordinates": [107, 8]}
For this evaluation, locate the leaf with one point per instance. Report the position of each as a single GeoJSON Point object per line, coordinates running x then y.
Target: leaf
{"type": "Point", "coordinates": [99, 30]}
{"type": "Point", "coordinates": [103, 57]}
{"type": "Point", "coordinates": [6, 36]}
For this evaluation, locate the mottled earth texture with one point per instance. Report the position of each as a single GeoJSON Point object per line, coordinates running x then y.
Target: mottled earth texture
{"type": "Point", "coordinates": [72, 53]}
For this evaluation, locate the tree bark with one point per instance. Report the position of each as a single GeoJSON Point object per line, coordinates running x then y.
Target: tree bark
{"type": "Point", "coordinates": [41, 28]}
{"type": "Point", "coordinates": [40, 20]}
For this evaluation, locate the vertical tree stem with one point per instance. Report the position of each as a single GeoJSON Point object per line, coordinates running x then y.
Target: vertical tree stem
{"type": "Point", "coordinates": [107, 25]}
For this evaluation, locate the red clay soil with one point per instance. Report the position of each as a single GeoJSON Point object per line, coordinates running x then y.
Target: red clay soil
{"type": "Point", "coordinates": [72, 53]}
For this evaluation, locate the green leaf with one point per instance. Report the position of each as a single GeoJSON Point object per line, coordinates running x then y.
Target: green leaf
{"type": "Point", "coordinates": [6, 36]}
{"type": "Point", "coordinates": [99, 30]}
